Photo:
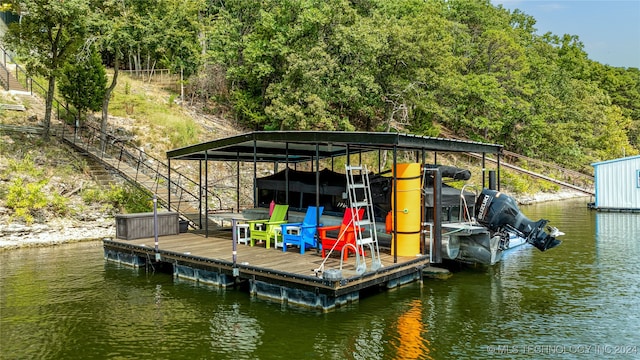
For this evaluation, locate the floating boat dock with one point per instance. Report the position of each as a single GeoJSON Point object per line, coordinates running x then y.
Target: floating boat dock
{"type": "Point", "coordinates": [291, 277]}
{"type": "Point", "coordinates": [287, 277]}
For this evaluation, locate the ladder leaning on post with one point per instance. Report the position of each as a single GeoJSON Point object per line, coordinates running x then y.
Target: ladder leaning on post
{"type": "Point", "coordinates": [359, 190]}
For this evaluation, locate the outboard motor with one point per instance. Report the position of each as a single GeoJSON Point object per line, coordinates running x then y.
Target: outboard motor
{"type": "Point", "coordinates": [499, 212]}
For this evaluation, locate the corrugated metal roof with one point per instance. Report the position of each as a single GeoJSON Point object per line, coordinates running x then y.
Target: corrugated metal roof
{"type": "Point", "coordinates": [617, 183]}
{"type": "Point", "coordinates": [615, 160]}
{"type": "Point", "coordinates": [296, 146]}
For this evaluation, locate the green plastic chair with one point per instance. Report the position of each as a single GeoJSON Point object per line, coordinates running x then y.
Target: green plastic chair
{"type": "Point", "coordinates": [266, 230]}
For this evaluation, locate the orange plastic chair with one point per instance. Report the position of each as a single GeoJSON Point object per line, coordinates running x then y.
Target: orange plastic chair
{"type": "Point", "coordinates": [346, 235]}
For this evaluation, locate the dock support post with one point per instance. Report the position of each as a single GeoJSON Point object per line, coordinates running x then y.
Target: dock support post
{"type": "Point", "coordinates": [234, 247]}
{"type": "Point", "coordinates": [395, 204]}
{"type": "Point", "coordinates": [155, 226]}
{"type": "Point", "coordinates": [436, 245]}
{"type": "Point", "coordinates": [206, 194]}
{"type": "Point", "coordinates": [437, 217]}
{"type": "Point", "coordinates": [498, 170]}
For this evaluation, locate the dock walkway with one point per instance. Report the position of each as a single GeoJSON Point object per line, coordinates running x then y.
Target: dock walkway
{"type": "Point", "coordinates": [287, 277]}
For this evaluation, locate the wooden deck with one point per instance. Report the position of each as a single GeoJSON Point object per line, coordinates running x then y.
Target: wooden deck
{"type": "Point", "coordinates": [284, 276]}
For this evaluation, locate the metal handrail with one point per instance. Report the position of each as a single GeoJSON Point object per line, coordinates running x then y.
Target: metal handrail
{"type": "Point", "coordinates": [27, 82]}
{"type": "Point", "coordinates": [125, 152]}
{"type": "Point", "coordinates": [120, 150]}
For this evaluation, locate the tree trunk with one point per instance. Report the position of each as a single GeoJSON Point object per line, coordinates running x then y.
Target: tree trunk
{"type": "Point", "coordinates": [138, 61]}
{"type": "Point", "coordinates": [105, 104]}
{"type": "Point", "coordinates": [48, 107]}
{"type": "Point", "coordinates": [152, 70]}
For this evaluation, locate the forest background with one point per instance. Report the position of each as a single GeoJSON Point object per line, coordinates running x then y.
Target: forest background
{"type": "Point", "coordinates": [462, 68]}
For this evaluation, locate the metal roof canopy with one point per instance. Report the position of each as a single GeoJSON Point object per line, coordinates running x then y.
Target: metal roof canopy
{"type": "Point", "coordinates": [297, 146]}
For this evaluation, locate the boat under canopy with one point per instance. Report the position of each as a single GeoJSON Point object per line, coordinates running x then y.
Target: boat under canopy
{"type": "Point", "coordinates": [301, 187]}
{"type": "Point", "coordinates": [419, 229]}
{"type": "Point", "coordinates": [325, 187]}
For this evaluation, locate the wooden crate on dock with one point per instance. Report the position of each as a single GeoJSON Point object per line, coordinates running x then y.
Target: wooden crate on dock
{"type": "Point", "coordinates": [140, 225]}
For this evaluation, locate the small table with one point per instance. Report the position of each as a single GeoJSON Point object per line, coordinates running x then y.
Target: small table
{"type": "Point", "coordinates": [277, 234]}
{"type": "Point", "coordinates": [291, 230]}
{"type": "Point", "coordinates": [242, 233]}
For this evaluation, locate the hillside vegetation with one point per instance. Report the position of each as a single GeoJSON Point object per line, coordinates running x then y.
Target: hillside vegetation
{"type": "Point", "coordinates": [416, 66]}
{"type": "Point", "coordinates": [419, 66]}
{"type": "Point", "coordinates": [460, 68]}
{"type": "Point", "coordinates": [49, 182]}
{"type": "Point", "coordinates": [44, 182]}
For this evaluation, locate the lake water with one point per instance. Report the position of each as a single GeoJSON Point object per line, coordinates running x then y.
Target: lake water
{"type": "Point", "coordinates": [579, 300]}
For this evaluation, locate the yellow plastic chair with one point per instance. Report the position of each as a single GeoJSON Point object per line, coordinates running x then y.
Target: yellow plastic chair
{"type": "Point", "coordinates": [264, 229]}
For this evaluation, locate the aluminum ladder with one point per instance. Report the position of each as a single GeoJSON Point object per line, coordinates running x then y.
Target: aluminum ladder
{"type": "Point", "coordinates": [359, 190]}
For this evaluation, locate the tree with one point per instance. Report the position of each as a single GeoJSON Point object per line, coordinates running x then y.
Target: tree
{"type": "Point", "coordinates": [623, 86]}
{"type": "Point", "coordinates": [328, 79]}
{"type": "Point", "coordinates": [84, 81]}
{"type": "Point", "coordinates": [247, 41]}
{"type": "Point", "coordinates": [112, 27]}
{"type": "Point", "coordinates": [179, 24]}
{"type": "Point", "coordinates": [164, 32]}
{"type": "Point", "coordinates": [48, 35]}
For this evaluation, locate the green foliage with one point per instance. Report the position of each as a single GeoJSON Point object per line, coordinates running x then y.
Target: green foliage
{"type": "Point", "coordinates": [403, 65]}
{"type": "Point", "coordinates": [46, 37]}
{"type": "Point", "coordinates": [120, 199]}
{"type": "Point", "coordinates": [84, 82]}
{"type": "Point", "coordinates": [49, 34]}
{"type": "Point", "coordinates": [178, 22]}
{"type": "Point", "coordinates": [172, 99]}
{"type": "Point", "coordinates": [25, 167]}
{"type": "Point", "coordinates": [467, 65]}
{"type": "Point", "coordinates": [167, 121]}
{"type": "Point", "coordinates": [517, 183]}
{"type": "Point", "coordinates": [153, 34]}
{"type": "Point", "coordinates": [182, 133]}
{"type": "Point", "coordinates": [28, 199]}
{"type": "Point", "coordinates": [522, 184]}
{"type": "Point", "coordinates": [27, 192]}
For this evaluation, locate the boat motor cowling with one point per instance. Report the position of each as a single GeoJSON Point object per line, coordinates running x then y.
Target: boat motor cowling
{"type": "Point", "coordinates": [498, 212]}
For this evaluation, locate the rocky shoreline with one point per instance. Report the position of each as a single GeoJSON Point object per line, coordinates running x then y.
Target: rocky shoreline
{"type": "Point", "coordinates": [61, 231]}
{"type": "Point", "coordinates": [14, 236]}
{"type": "Point", "coordinates": [528, 199]}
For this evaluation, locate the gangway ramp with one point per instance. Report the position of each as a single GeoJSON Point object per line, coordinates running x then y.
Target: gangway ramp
{"type": "Point", "coordinates": [140, 169]}
{"type": "Point", "coordinates": [583, 178]}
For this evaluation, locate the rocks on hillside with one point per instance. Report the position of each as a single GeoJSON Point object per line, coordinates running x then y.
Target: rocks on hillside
{"type": "Point", "coordinates": [527, 199]}
{"type": "Point", "coordinates": [15, 235]}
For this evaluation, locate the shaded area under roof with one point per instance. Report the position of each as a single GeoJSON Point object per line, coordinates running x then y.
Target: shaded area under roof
{"type": "Point", "coordinates": [296, 146]}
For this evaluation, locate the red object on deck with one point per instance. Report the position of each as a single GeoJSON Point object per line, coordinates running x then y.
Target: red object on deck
{"type": "Point", "coordinates": [346, 235]}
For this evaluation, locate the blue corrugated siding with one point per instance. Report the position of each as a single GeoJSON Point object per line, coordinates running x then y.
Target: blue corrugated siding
{"type": "Point", "coordinates": [616, 183]}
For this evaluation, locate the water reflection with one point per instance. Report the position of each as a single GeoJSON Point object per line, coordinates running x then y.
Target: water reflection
{"type": "Point", "coordinates": [367, 342]}
{"type": "Point", "coordinates": [411, 332]}
{"type": "Point", "coordinates": [234, 333]}
{"type": "Point", "coordinates": [617, 235]}
{"type": "Point", "coordinates": [617, 251]}
{"type": "Point", "coordinates": [67, 302]}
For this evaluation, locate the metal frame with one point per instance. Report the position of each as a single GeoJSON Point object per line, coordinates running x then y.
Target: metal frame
{"type": "Point", "coordinates": [312, 146]}
{"type": "Point", "coordinates": [299, 146]}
